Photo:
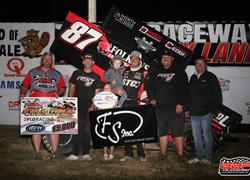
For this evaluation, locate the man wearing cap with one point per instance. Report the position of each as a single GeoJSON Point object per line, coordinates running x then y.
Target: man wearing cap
{"type": "Point", "coordinates": [133, 79]}
{"type": "Point", "coordinates": [44, 81]}
{"type": "Point", "coordinates": [84, 84]}
{"type": "Point", "coordinates": [204, 100]}
{"type": "Point", "coordinates": [167, 87]}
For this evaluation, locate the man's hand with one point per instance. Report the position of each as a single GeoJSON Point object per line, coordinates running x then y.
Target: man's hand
{"type": "Point", "coordinates": [91, 108]}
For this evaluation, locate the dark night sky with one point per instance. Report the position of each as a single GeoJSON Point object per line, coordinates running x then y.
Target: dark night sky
{"type": "Point", "coordinates": [156, 10]}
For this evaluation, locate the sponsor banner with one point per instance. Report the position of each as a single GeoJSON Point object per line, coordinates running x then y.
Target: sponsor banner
{"type": "Point", "coordinates": [222, 43]}
{"type": "Point", "coordinates": [119, 126]}
{"type": "Point", "coordinates": [21, 47]}
{"type": "Point", "coordinates": [28, 40]}
{"type": "Point", "coordinates": [135, 35]}
{"type": "Point", "coordinates": [49, 115]}
{"type": "Point", "coordinates": [13, 71]}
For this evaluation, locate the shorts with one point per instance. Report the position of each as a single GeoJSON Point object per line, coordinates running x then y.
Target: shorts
{"type": "Point", "coordinates": [168, 119]}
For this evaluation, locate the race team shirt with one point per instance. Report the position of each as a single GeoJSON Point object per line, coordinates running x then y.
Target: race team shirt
{"type": "Point", "coordinates": [168, 86]}
{"type": "Point", "coordinates": [43, 84]}
{"type": "Point", "coordinates": [132, 82]}
{"type": "Point", "coordinates": [86, 84]}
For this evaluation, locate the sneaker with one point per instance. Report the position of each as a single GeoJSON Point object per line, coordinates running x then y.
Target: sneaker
{"type": "Point", "coordinates": [72, 157]}
{"type": "Point", "coordinates": [143, 159]}
{"type": "Point", "coordinates": [87, 157]}
{"type": "Point", "coordinates": [162, 157]}
{"type": "Point", "coordinates": [38, 156]}
{"type": "Point", "coordinates": [111, 157]}
{"type": "Point", "coordinates": [194, 161]}
{"type": "Point", "coordinates": [53, 156]}
{"type": "Point", "coordinates": [126, 158]}
{"type": "Point", "coordinates": [206, 161]}
{"type": "Point", "coordinates": [105, 157]}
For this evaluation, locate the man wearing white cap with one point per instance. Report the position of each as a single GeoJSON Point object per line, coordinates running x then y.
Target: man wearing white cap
{"type": "Point", "coordinates": [133, 79]}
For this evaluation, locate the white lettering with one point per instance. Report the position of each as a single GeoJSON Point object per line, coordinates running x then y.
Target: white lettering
{"type": "Point", "coordinates": [217, 34]}
{"type": "Point", "coordinates": [198, 32]}
{"type": "Point", "coordinates": [239, 33]}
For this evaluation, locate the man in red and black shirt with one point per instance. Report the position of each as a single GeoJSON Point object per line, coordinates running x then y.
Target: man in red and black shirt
{"type": "Point", "coordinates": [133, 82]}
{"type": "Point", "coordinates": [44, 81]}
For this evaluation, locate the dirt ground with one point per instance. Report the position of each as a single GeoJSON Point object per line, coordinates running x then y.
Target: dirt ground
{"type": "Point", "coordinates": [16, 162]}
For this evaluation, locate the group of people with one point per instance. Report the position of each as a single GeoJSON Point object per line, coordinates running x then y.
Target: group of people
{"type": "Point", "coordinates": [167, 88]}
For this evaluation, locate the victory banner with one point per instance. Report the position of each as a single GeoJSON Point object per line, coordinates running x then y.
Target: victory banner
{"type": "Point", "coordinates": [49, 115]}
{"type": "Point", "coordinates": [119, 126]}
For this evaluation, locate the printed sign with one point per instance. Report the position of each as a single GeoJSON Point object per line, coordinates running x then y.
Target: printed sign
{"type": "Point", "coordinates": [49, 115]}
{"type": "Point", "coordinates": [119, 126]}
{"type": "Point", "coordinates": [105, 100]}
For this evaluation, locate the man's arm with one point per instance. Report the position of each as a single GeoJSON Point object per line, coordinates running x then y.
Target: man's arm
{"type": "Point", "coordinates": [23, 91]}
{"type": "Point", "coordinates": [150, 87]}
{"type": "Point", "coordinates": [61, 86]}
{"type": "Point", "coordinates": [183, 89]}
{"type": "Point", "coordinates": [217, 95]}
{"type": "Point", "coordinates": [60, 91]}
{"type": "Point", "coordinates": [72, 89]}
{"type": "Point", "coordinates": [25, 86]}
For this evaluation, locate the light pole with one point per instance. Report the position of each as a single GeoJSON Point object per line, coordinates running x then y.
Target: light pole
{"type": "Point", "coordinates": [92, 10]}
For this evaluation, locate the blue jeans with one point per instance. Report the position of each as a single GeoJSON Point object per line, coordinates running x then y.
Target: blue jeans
{"type": "Point", "coordinates": [122, 99]}
{"type": "Point", "coordinates": [202, 133]}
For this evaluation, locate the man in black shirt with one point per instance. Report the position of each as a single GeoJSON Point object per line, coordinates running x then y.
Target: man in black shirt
{"type": "Point", "coordinates": [167, 89]}
{"type": "Point", "coordinates": [204, 101]}
{"type": "Point", "coordinates": [84, 84]}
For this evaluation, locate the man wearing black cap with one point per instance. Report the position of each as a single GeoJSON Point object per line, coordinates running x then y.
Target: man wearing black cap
{"type": "Point", "coordinates": [204, 99]}
{"type": "Point", "coordinates": [167, 87]}
{"type": "Point", "coordinates": [84, 84]}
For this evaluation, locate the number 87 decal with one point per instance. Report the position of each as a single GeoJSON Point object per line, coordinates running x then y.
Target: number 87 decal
{"type": "Point", "coordinates": [75, 33]}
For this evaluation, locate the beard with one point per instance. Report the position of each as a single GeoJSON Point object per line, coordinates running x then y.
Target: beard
{"type": "Point", "coordinates": [46, 65]}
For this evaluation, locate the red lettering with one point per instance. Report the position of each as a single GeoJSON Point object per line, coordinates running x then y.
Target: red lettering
{"type": "Point", "coordinates": [247, 56]}
{"type": "Point", "coordinates": [237, 52]}
{"type": "Point", "coordinates": [14, 104]}
{"type": "Point", "coordinates": [206, 49]}
{"type": "Point", "coordinates": [245, 165]}
{"type": "Point", "coordinates": [221, 53]}
{"type": "Point", "coordinates": [190, 46]}
{"type": "Point", "coordinates": [225, 165]}
{"type": "Point", "coordinates": [236, 165]}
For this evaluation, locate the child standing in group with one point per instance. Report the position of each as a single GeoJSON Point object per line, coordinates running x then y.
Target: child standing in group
{"type": "Point", "coordinates": [114, 77]}
{"type": "Point", "coordinates": [108, 151]}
